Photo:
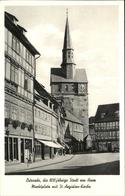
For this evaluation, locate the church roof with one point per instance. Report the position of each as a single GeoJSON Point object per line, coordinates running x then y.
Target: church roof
{"type": "Point", "coordinates": [57, 75]}
{"type": "Point", "coordinates": [72, 118]}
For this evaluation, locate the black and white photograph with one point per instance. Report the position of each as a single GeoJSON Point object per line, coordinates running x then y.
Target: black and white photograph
{"type": "Point", "coordinates": [62, 91]}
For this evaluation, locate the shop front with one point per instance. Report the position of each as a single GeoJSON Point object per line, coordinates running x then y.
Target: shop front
{"type": "Point", "coordinates": [46, 149]}
{"type": "Point", "coordinates": [11, 149]}
{"type": "Point", "coordinates": [17, 149]}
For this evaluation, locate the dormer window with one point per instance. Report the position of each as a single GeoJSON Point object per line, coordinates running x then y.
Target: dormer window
{"type": "Point", "coordinates": [103, 115]}
{"type": "Point", "coordinates": [117, 113]}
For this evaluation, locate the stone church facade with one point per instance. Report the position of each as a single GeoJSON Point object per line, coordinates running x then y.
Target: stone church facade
{"type": "Point", "coordinates": [69, 85]}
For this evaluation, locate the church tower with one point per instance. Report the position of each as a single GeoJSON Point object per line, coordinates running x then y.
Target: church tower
{"type": "Point", "coordinates": [70, 84]}
{"type": "Point", "coordinates": [68, 64]}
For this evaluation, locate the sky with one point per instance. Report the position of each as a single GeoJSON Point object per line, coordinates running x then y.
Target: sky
{"type": "Point", "coordinates": [94, 34]}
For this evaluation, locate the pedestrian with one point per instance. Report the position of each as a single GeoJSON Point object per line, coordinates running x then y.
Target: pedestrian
{"type": "Point", "coordinates": [64, 152]}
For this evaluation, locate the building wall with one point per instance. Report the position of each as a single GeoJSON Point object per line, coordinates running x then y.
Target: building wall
{"type": "Point", "coordinates": [73, 102]}
{"type": "Point", "coordinates": [45, 122]}
{"type": "Point", "coordinates": [78, 105]}
{"type": "Point", "coordinates": [107, 135]}
{"type": "Point", "coordinates": [46, 128]}
{"type": "Point", "coordinates": [19, 74]}
{"type": "Point", "coordinates": [93, 137]}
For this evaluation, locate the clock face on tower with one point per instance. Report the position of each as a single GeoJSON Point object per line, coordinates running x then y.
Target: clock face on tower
{"type": "Point", "coordinates": [82, 88]}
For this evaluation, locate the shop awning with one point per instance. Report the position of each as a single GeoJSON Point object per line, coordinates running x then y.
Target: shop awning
{"type": "Point", "coordinates": [51, 144]}
{"type": "Point", "coordinates": [66, 145]}
{"type": "Point", "coordinates": [60, 145]}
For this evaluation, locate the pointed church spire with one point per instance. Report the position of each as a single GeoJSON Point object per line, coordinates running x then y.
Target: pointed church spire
{"type": "Point", "coordinates": [68, 64]}
{"type": "Point", "coordinates": [67, 39]}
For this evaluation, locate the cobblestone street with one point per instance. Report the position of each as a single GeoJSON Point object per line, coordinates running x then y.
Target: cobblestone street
{"type": "Point", "coordinates": [79, 164]}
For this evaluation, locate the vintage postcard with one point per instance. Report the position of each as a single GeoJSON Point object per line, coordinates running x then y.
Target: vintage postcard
{"type": "Point", "coordinates": [62, 104]}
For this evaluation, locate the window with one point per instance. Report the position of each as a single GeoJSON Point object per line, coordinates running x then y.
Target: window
{"type": "Point", "coordinates": [117, 113]}
{"type": "Point", "coordinates": [22, 78]}
{"type": "Point", "coordinates": [68, 54]}
{"type": "Point", "coordinates": [6, 35]}
{"type": "Point", "coordinates": [66, 87]}
{"type": "Point", "coordinates": [28, 57]}
{"type": "Point", "coordinates": [19, 71]}
{"type": "Point", "coordinates": [25, 82]}
{"type": "Point", "coordinates": [16, 45]}
{"type": "Point", "coordinates": [28, 83]}
{"type": "Point", "coordinates": [73, 87]}
{"type": "Point", "coordinates": [113, 124]}
{"type": "Point", "coordinates": [33, 60]}
{"type": "Point", "coordinates": [11, 148]}
{"type": "Point", "coordinates": [9, 38]}
{"type": "Point", "coordinates": [108, 125]}
{"type": "Point", "coordinates": [117, 124]}
{"type": "Point", "coordinates": [96, 125]}
{"type": "Point", "coordinates": [104, 125]}
{"type": "Point", "coordinates": [7, 69]}
{"type": "Point", "coordinates": [102, 115]}
{"type": "Point", "coordinates": [31, 83]}
{"type": "Point", "coordinates": [14, 74]}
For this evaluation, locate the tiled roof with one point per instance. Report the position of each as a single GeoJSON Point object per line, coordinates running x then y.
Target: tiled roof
{"type": "Point", "coordinates": [107, 112]}
{"type": "Point", "coordinates": [12, 17]}
{"type": "Point", "coordinates": [57, 75]}
{"type": "Point", "coordinates": [91, 119]}
{"type": "Point", "coordinates": [18, 30]}
{"type": "Point", "coordinates": [71, 117]}
{"type": "Point", "coordinates": [43, 93]}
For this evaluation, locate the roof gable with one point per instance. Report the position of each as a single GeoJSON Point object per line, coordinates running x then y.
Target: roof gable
{"type": "Point", "coordinates": [107, 112]}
